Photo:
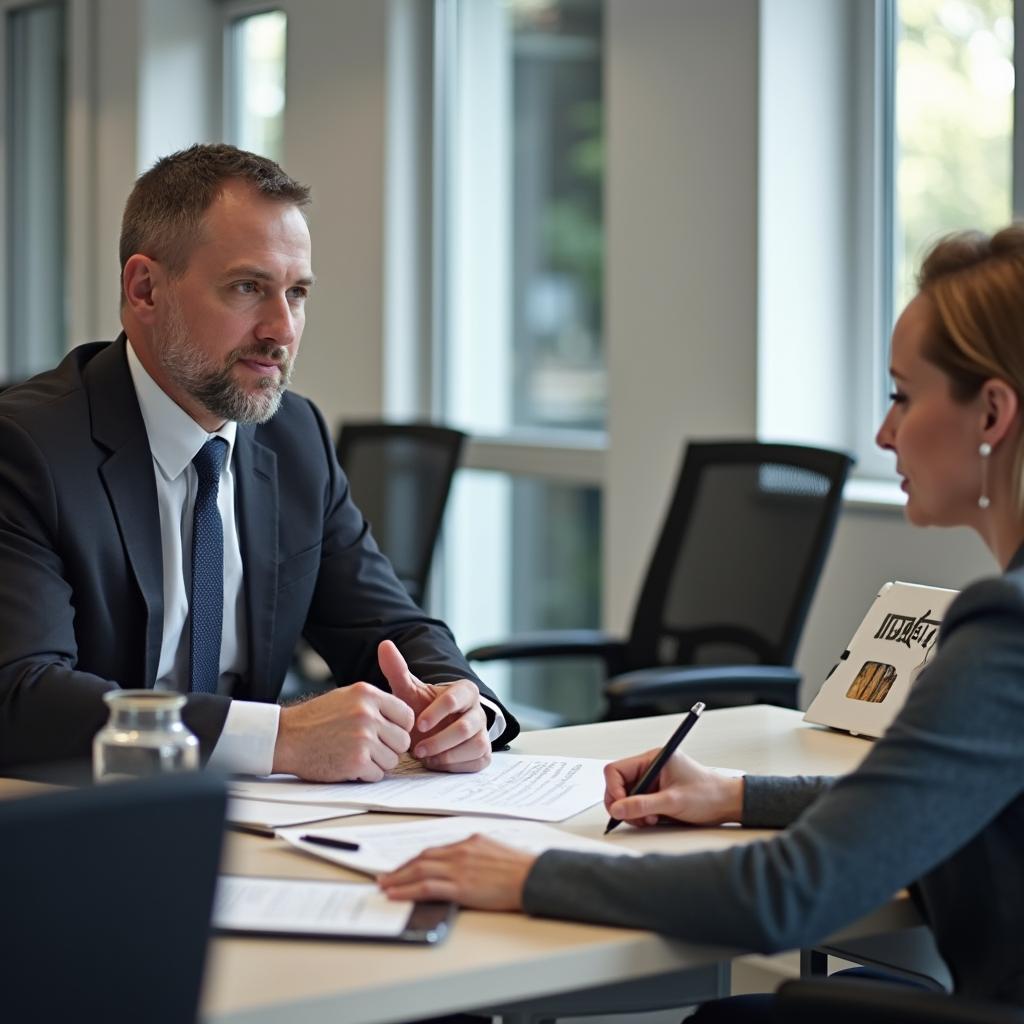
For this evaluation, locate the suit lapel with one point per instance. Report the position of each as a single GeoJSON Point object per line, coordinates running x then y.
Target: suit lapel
{"type": "Point", "coordinates": [127, 475]}
{"type": "Point", "coordinates": [256, 501]}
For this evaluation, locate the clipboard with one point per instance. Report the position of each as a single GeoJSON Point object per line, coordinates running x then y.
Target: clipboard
{"type": "Point", "coordinates": [248, 905]}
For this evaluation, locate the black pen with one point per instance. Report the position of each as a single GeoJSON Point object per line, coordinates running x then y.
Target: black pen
{"type": "Point", "coordinates": [338, 844]}
{"type": "Point", "coordinates": [654, 769]}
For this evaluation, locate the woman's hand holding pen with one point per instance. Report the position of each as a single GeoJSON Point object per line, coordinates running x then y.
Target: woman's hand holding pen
{"type": "Point", "coordinates": [685, 791]}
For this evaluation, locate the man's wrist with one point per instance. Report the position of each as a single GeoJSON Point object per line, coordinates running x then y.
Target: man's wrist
{"type": "Point", "coordinates": [282, 762]}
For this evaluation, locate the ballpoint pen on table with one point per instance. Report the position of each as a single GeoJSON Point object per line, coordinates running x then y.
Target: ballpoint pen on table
{"type": "Point", "coordinates": [338, 844]}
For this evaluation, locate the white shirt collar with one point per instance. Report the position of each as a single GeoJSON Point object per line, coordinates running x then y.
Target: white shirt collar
{"type": "Point", "coordinates": [174, 437]}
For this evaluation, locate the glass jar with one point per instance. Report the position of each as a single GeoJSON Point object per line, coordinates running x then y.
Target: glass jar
{"type": "Point", "coordinates": [143, 736]}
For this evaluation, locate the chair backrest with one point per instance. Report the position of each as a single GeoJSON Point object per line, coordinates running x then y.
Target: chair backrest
{"type": "Point", "coordinates": [400, 475]}
{"type": "Point", "coordinates": [106, 895]}
{"type": "Point", "coordinates": [739, 555]}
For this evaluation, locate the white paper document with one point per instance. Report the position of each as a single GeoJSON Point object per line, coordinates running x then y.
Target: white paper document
{"type": "Point", "coordinates": [274, 814]}
{"type": "Point", "coordinates": [540, 788]}
{"type": "Point", "coordinates": [386, 847]}
{"type": "Point", "coordinates": [302, 907]}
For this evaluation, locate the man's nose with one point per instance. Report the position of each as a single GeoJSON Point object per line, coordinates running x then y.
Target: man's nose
{"type": "Point", "coordinates": [278, 323]}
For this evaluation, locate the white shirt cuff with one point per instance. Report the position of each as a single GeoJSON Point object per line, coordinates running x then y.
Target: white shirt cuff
{"type": "Point", "coordinates": [498, 725]}
{"type": "Point", "coordinates": [246, 744]}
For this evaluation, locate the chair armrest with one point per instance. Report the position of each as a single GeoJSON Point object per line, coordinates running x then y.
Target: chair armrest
{"type": "Point", "coordinates": [556, 643]}
{"type": "Point", "coordinates": [774, 683]}
{"type": "Point", "coordinates": [852, 1002]}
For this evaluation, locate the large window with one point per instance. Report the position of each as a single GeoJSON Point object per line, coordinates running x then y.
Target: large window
{"type": "Point", "coordinates": [34, 282]}
{"type": "Point", "coordinates": [557, 239]}
{"type": "Point", "coordinates": [953, 124]}
{"type": "Point", "coordinates": [255, 82]}
{"type": "Point", "coordinates": [942, 135]}
{"type": "Point", "coordinates": [518, 338]}
{"type": "Point", "coordinates": [521, 187]}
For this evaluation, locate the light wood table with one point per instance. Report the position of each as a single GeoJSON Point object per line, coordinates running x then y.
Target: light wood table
{"type": "Point", "coordinates": [500, 959]}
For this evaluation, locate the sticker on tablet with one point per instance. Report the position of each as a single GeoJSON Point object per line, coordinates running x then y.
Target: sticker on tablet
{"type": "Point", "coordinates": [872, 683]}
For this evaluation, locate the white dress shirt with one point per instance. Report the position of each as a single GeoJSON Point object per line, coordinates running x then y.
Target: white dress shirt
{"type": "Point", "coordinates": [246, 743]}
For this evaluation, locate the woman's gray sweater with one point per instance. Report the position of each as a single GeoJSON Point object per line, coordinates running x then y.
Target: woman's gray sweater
{"type": "Point", "coordinates": [937, 804]}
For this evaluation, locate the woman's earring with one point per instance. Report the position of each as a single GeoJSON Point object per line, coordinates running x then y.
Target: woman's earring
{"type": "Point", "coordinates": [984, 450]}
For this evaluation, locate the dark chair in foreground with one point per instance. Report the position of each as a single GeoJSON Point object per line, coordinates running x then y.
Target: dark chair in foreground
{"type": "Point", "coordinates": [400, 475]}
{"type": "Point", "coordinates": [727, 589]}
{"type": "Point", "coordinates": [862, 1002]}
{"type": "Point", "coordinates": [106, 895]}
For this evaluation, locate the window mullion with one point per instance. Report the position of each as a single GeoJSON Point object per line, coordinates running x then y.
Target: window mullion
{"type": "Point", "coordinates": [1018, 110]}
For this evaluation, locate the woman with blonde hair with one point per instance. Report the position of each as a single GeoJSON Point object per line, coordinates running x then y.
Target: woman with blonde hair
{"type": "Point", "coordinates": [938, 803]}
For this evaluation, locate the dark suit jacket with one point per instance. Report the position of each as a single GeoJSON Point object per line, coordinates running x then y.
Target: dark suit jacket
{"type": "Point", "coordinates": [81, 576]}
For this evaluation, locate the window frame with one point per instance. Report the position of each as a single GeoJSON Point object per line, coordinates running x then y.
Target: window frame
{"type": "Point", "coordinates": [872, 292]}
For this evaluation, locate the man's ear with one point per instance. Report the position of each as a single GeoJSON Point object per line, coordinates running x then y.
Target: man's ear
{"type": "Point", "coordinates": [1001, 410]}
{"type": "Point", "coordinates": [140, 278]}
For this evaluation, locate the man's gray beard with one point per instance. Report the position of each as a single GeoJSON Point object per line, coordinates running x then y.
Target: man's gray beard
{"type": "Point", "coordinates": [212, 386]}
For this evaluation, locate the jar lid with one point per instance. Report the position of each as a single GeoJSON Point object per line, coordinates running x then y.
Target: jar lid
{"type": "Point", "coordinates": [145, 700]}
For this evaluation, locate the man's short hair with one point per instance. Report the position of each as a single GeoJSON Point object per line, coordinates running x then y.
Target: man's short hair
{"type": "Point", "coordinates": [164, 213]}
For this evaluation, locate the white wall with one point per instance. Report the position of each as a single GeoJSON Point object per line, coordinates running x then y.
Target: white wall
{"type": "Point", "coordinates": [681, 260]}
{"type": "Point", "coordinates": [335, 134]}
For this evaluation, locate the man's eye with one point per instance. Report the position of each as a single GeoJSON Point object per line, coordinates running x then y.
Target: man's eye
{"type": "Point", "coordinates": [247, 287]}
{"type": "Point", "coordinates": [897, 398]}
{"type": "Point", "coordinates": [298, 293]}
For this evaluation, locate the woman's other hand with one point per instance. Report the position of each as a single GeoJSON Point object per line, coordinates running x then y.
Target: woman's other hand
{"type": "Point", "coordinates": [477, 872]}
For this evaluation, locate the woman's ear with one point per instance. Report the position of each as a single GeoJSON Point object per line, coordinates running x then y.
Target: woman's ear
{"type": "Point", "coordinates": [1001, 410]}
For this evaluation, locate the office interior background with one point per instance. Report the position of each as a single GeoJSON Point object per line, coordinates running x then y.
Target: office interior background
{"type": "Point", "coordinates": [584, 231]}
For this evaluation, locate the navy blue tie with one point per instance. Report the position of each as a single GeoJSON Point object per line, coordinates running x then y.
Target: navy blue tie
{"type": "Point", "coordinates": [207, 605]}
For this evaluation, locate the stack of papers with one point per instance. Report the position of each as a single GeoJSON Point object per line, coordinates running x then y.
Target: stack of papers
{"type": "Point", "coordinates": [384, 848]}
{"type": "Point", "coordinates": [531, 786]}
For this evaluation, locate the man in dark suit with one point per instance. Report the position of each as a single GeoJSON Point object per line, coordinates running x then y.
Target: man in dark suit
{"type": "Point", "coordinates": [170, 516]}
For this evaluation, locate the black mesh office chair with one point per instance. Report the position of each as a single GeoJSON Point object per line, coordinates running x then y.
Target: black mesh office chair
{"type": "Point", "coordinates": [728, 587]}
{"type": "Point", "coordinates": [861, 1002]}
{"type": "Point", "coordinates": [400, 475]}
